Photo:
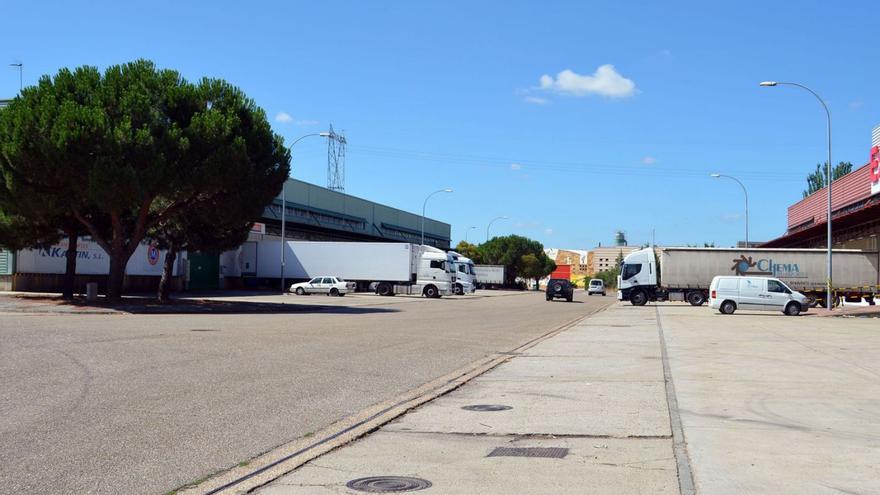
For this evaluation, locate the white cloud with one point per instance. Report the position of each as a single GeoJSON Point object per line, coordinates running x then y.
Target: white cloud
{"type": "Point", "coordinates": [856, 104]}
{"type": "Point", "coordinates": [286, 118]}
{"type": "Point", "coordinates": [536, 100]}
{"type": "Point", "coordinates": [548, 231]}
{"type": "Point", "coordinates": [649, 160]}
{"type": "Point", "coordinates": [515, 166]}
{"type": "Point", "coordinates": [605, 82]}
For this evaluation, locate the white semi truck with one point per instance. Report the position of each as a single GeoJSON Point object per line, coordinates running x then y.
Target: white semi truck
{"type": "Point", "coordinates": [389, 268]}
{"type": "Point", "coordinates": [465, 281]}
{"type": "Point", "coordinates": [684, 274]}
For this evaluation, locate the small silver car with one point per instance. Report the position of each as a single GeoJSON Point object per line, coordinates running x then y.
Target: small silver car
{"type": "Point", "coordinates": [332, 286]}
{"type": "Point", "coordinates": [596, 286]}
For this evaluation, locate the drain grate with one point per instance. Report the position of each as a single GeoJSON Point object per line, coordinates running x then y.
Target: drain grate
{"type": "Point", "coordinates": [204, 330]}
{"type": "Point", "coordinates": [549, 452]}
{"type": "Point", "coordinates": [388, 484]}
{"type": "Point", "coordinates": [486, 407]}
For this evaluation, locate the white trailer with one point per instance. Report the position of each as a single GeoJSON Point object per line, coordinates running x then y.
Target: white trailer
{"type": "Point", "coordinates": [489, 276]}
{"type": "Point", "coordinates": [684, 274]}
{"type": "Point", "coordinates": [387, 267]}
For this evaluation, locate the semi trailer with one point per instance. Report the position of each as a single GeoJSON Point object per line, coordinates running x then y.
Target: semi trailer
{"type": "Point", "coordinates": [684, 274]}
{"type": "Point", "coordinates": [489, 276]}
{"type": "Point", "coordinates": [388, 268]}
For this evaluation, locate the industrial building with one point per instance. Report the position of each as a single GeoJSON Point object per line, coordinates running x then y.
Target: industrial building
{"type": "Point", "coordinates": [855, 202]}
{"type": "Point", "coordinates": [311, 213]}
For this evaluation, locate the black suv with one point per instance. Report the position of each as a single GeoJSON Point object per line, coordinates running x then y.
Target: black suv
{"type": "Point", "coordinates": [560, 288]}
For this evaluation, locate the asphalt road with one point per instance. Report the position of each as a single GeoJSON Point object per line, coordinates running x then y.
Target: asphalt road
{"type": "Point", "coordinates": [147, 403]}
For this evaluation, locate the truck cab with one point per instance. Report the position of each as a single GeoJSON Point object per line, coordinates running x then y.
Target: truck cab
{"type": "Point", "coordinates": [436, 273]}
{"type": "Point", "coordinates": [637, 281]}
{"type": "Point", "coordinates": [465, 279]}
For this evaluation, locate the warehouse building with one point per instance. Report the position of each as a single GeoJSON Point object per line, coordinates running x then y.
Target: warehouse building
{"type": "Point", "coordinates": [855, 210]}
{"type": "Point", "coordinates": [312, 213]}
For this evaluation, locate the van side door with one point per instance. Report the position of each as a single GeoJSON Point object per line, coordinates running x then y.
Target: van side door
{"type": "Point", "coordinates": [752, 294]}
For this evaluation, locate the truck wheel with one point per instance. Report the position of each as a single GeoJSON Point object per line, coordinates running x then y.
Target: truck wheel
{"type": "Point", "coordinates": [727, 307]}
{"type": "Point", "coordinates": [300, 291]}
{"type": "Point", "coordinates": [431, 292]}
{"type": "Point", "coordinates": [638, 298]}
{"type": "Point", "coordinates": [793, 309]}
{"type": "Point", "coordinates": [811, 300]}
{"type": "Point", "coordinates": [459, 290]}
{"type": "Point", "coordinates": [384, 289]}
{"type": "Point", "coordinates": [696, 298]}
{"type": "Point", "coordinates": [334, 292]}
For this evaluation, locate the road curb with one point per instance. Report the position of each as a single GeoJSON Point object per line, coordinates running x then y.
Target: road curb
{"type": "Point", "coordinates": [288, 457]}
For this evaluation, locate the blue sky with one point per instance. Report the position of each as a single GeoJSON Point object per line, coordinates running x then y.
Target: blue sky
{"type": "Point", "coordinates": [450, 94]}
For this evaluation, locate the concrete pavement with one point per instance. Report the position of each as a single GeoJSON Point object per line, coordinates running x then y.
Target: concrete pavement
{"type": "Point", "coordinates": [766, 403]}
{"type": "Point", "coordinates": [146, 403]}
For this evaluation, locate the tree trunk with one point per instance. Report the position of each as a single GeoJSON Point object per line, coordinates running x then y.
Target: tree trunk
{"type": "Point", "coordinates": [167, 273]}
{"type": "Point", "coordinates": [118, 259]}
{"type": "Point", "coordinates": [70, 269]}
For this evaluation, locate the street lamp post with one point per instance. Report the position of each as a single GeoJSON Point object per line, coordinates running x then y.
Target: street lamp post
{"type": "Point", "coordinates": [20, 77]}
{"type": "Point", "coordinates": [466, 232]}
{"type": "Point", "coordinates": [447, 190]}
{"type": "Point", "coordinates": [490, 224]}
{"type": "Point", "coordinates": [828, 300]}
{"type": "Point", "coordinates": [284, 206]}
{"type": "Point", "coordinates": [747, 201]}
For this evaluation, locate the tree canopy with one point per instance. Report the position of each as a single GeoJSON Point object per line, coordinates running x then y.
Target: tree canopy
{"type": "Point", "coordinates": [131, 149]}
{"type": "Point", "coordinates": [522, 257]}
{"type": "Point", "coordinates": [817, 179]}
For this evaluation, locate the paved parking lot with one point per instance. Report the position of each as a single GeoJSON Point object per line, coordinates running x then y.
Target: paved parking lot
{"type": "Point", "coordinates": [145, 403]}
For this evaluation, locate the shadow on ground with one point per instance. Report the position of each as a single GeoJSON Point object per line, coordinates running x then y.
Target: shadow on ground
{"type": "Point", "coordinates": [144, 305]}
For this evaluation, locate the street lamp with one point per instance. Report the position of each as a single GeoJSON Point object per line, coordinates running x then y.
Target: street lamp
{"type": "Point", "coordinates": [466, 232]}
{"type": "Point", "coordinates": [828, 301]}
{"type": "Point", "coordinates": [747, 201]}
{"type": "Point", "coordinates": [490, 224]}
{"type": "Point", "coordinates": [447, 190]}
{"type": "Point", "coordinates": [284, 205]}
{"type": "Point", "coordinates": [20, 83]}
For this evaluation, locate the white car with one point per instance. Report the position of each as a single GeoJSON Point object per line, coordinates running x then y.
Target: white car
{"type": "Point", "coordinates": [333, 286]}
{"type": "Point", "coordinates": [727, 294]}
{"type": "Point", "coordinates": [596, 286]}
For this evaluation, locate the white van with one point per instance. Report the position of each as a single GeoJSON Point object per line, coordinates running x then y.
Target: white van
{"type": "Point", "coordinates": [727, 294]}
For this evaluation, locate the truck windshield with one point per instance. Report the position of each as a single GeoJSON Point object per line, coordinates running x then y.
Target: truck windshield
{"type": "Point", "coordinates": [630, 270]}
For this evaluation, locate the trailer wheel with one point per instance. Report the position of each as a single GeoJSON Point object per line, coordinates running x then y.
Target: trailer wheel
{"type": "Point", "coordinates": [793, 309]}
{"type": "Point", "coordinates": [811, 300]}
{"type": "Point", "coordinates": [638, 298]}
{"type": "Point", "coordinates": [384, 289]}
{"type": "Point", "coordinates": [696, 298]}
{"type": "Point", "coordinates": [727, 307]}
{"type": "Point", "coordinates": [431, 292]}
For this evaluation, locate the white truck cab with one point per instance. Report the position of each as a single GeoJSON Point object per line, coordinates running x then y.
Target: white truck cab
{"type": "Point", "coordinates": [436, 273]}
{"type": "Point", "coordinates": [638, 273]}
{"type": "Point", "coordinates": [465, 277]}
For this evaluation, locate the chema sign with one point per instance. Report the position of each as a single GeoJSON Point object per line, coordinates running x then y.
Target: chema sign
{"type": "Point", "coordinates": [766, 266]}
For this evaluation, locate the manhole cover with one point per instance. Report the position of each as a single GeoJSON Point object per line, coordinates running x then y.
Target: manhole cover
{"type": "Point", "coordinates": [486, 407]}
{"type": "Point", "coordinates": [203, 330]}
{"type": "Point", "coordinates": [388, 484]}
{"type": "Point", "coordinates": [550, 452]}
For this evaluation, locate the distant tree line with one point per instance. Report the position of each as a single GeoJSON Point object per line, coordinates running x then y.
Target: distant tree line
{"type": "Point", "coordinates": [818, 178]}
{"type": "Point", "coordinates": [522, 257]}
{"type": "Point", "coordinates": [131, 155]}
